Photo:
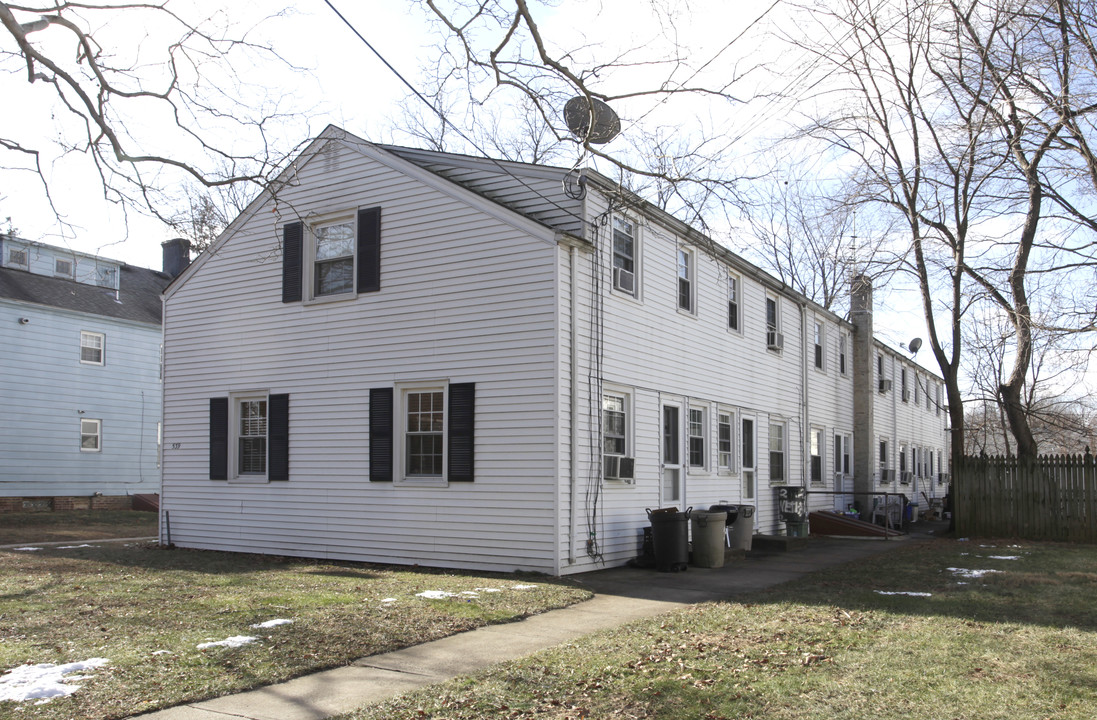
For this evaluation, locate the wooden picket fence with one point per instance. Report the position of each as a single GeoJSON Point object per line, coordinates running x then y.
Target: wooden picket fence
{"type": "Point", "coordinates": [1051, 498]}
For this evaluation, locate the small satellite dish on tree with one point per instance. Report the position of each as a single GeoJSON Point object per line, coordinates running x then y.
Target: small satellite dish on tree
{"type": "Point", "coordinates": [591, 120]}
{"type": "Point", "coordinates": [914, 346]}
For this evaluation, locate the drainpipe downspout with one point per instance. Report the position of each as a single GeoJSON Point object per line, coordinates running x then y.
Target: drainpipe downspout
{"type": "Point", "coordinates": [573, 480]}
{"type": "Point", "coordinates": [805, 458]}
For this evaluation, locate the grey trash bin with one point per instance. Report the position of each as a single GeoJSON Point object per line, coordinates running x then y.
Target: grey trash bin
{"type": "Point", "coordinates": [742, 531]}
{"type": "Point", "coordinates": [708, 538]}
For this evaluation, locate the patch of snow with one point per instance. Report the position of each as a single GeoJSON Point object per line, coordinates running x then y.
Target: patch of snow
{"type": "Point", "coordinates": [388, 600]}
{"type": "Point", "coordinates": [968, 573]}
{"type": "Point", "coordinates": [27, 549]}
{"type": "Point", "coordinates": [73, 547]}
{"type": "Point", "coordinates": [435, 594]}
{"type": "Point", "coordinates": [903, 592]}
{"type": "Point", "coordinates": [488, 590]}
{"type": "Point", "coordinates": [470, 593]}
{"type": "Point", "coordinates": [232, 642]}
{"type": "Point", "coordinates": [522, 587]}
{"type": "Point", "coordinates": [1004, 557]}
{"type": "Point", "coordinates": [271, 623]}
{"type": "Point", "coordinates": [162, 652]}
{"type": "Point", "coordinates": [45, 681]}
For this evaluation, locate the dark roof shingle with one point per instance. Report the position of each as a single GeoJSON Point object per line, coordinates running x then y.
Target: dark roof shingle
{"type": "Point", "coordinates": [138, 299]}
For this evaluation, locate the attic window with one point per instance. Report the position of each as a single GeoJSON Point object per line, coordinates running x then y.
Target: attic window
{"type": "Point", "coordinates": [107, 277]}
{"type": "Point", "coordinates": [62, 267]}
{"type": "Point", "coordinates": [17, 258]}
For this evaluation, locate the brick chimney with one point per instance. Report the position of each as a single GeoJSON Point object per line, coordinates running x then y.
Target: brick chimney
{"type": "Point", "coordinates": [864, 388]}
{"type": "Point", "coordinates": [176, 256]}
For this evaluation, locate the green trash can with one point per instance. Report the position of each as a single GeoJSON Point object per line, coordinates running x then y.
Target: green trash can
{"type": "Point", "coordinates": [708, 538]}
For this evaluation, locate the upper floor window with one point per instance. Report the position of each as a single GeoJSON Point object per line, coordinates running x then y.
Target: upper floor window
{"type": "Point", "coordinates": [774, 339]}
{"type": "Point", "coordinates": [938, 399]}
{"type": "Point", "coordinates": [614, 437]}
{"type": "Point", "coordinates": [624, 255]}
{"type": "Point", "coordinates": [843, 340]}
{"type": "Point", "coordinates": [818, 345]}
{"type": "Point", "coordinates": [883, 456]}
{"type": "Point", "coordinates": [903, 384]}
{"type": "Point", "coordinates": [92, 348]}
{"type": "Point", "coordinates": [18, 258]}
{"type": "Point", "coordinates": [106, 277]}
{"type": "Point", "coordinates": [733, 303]}
{"type": "Point", "coordinates": [685, 280]}
{"type": "Point", "coordinates": [333, 259]}
{"type": "Point", "coordinates": [338, 256]}
{"type": "Point", "coordinates": [62, 267]}
{"type": "Point", "coordinates": [816, 442]}
{"type": "Point", "coordinates": [917, 389]}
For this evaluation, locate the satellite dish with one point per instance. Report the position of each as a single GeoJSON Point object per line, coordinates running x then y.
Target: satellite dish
{"type": "Point", "coordinates": [597, 126]}
{"type": "Point", "coordinates": [914, 346]}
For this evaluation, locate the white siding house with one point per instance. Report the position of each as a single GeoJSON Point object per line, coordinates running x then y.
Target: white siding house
{"type": "Point", "coordinates": [80, 347]}
{"type": "Point", "coordinates": [416, 357]}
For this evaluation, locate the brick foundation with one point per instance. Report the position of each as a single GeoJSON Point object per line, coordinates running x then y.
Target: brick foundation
{"type": "Point", "coordinates": [65, 503]}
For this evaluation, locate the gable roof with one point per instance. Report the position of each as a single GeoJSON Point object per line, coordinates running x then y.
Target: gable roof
{"type": "Point", "coordinates": [138, 299]}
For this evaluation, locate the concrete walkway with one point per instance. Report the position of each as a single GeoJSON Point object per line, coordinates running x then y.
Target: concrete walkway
{"type": "Point", "coordinates": [621, 595]}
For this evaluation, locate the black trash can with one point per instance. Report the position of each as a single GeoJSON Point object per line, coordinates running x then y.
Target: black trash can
{"type": "Point", "coordinates": [670, 536]}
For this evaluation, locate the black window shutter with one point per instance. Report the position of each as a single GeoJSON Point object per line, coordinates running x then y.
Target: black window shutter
{"type": "Point", "coordinates": [278, 437]}
{"type": "Point", "coordinates": [219, 438]}
{"type": "Point", "coordinates": [369, 250]}
{"type": "Point", "coordinates": [380, 435]}
{"type": "Point", "coordinates": [292, 248]}
{"type": "Point", "coordinates": [462, 421]}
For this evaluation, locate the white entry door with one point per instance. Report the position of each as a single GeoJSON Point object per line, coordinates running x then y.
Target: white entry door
{"type": "Point", "coordinates": [670, 492]}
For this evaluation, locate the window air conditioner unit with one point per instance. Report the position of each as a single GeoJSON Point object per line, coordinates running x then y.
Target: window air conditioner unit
{"type": "Point", "coordinates": [885, 386]}
{"type": "Point", "coordinates": [774, 340]}
{"type": "Point", "coordinates": [906, 395]}
{"type": "Point", "coordinates": [906, 477]}
{"type": "Point", "coordinates": [619, 468]}
{"type": "Point", "coordinates": [624, 280]}
{"type": "Point", "coordinates": [886, 475]}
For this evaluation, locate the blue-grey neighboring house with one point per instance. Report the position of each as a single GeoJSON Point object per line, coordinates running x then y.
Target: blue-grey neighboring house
{"type": "Point", "coordinates": [80, 390]}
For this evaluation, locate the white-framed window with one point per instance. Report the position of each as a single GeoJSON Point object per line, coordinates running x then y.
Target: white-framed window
{"type": "Point", "coordinates": [331, 255]}
{"type": "Point", "coordinates": [424, 433]}
{"type": "Point", "coordinates": [883, 459]}
{"type": "Point", "coordinates": [902, 457]}
{"type": "Point", "coordinates": [92, 348]}
{"type": "Point", "coordinates": [929, 400]}
{"type": "Point", "coordinates": [697, 433]}
{"type": "Point", "coordinates": [843, 343]}
{"type": "Point", "coordinates": [725, 440]}
{"type": "Point", "coordinates": [687, 299]}
{"type": "Point", "coordinates": [917, 389]}
{"type": "Point", "coordinates": [18, 257]}
{"type": "Point", "coordinates": [62, 267]}
{"type": "Point", "coordinates": [774, 339]}
{"type": "Point", "coordinates": [91, 435]}
{"type": "Point", "coordinates": [815, 442]}
{"type": "Point", "coordinates": [747, 456]}
{"type": "Point", "coordinates": [250, 430]}
{"type": "Point", "coordinates": [818, 346]}
{"type": "Point", "coordinates": [938, 401]}
{"type": "Point", "coordinates": [614, 424]}
{"type": "Point", "coordinates": [734, 304]}
{"type": "Point", "coordinates": [671, 489]}
{"type": "Point", "coordinates": [843, 454]}
{"type": "Point", "coordinates": [777, 452]}
{"type": "Point", "coordinates": [625, 271]}
{"type": "Point", "coordinates": [903, 384]}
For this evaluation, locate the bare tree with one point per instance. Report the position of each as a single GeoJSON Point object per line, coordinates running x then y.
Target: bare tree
{"type": "Point", "coordinates": [148, 111]}
{"type": "Point", "coordinates": [939, 118]}
{"type": "Point", "coordinates": [208, 211]}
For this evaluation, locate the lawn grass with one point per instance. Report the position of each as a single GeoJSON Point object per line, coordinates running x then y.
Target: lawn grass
{"type": "Point", "coordinates": [39, 527]}
{"type": "Point", "coordinates": [1020, 644]}
{"type": "Point", "coordinates": [146, 609]}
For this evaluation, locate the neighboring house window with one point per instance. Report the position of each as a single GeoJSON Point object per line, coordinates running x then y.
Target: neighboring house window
{"type": "Point", "coordinates": [748, 458]}
{"type": "Point", "coordinates": [422, 433]}
{"type": "Point", "coordinates": [843, 454]}
{"type": "Point", "coordinates": [18, 258]}
{"type": "Point", "coordinates": [777, 452]}
{"type": "Point", "coordinates": [624, 255]}
{"type": "Point", "coordinates": [917, 389]}
{"type": "Point", "coordinates": [842, 341]}
{"type": "Point", "coordinates": [903, 384]}
{"type": "Point", "coordinates": [251, 448]}
{"type": "Point", "coordinates": [696, 437]}
{"type": "Point", "coordinates": [774, 340]}
{"type": "Point", "coordinates": [249, 437]}
{"type": "Point", "coordinates": [818, 345]}
{"type": "Point", "coordinates": [725, 441]}
{"type": "Point", "coordinates": [940, 467]}
{"type": "Point", "coordinates": [337, 256]}
{"type": "Point", "coordinates": [686, 300]}
{"type": "Point", "coordinates": [883, 458]}
{"type": "Point", "coordinates": [929, 463]}
{"type": "Point", "coordinates": [733, 304]}
{"type": "Point", "coordinates": [902, 458]}
{"type": "Point", "coordinates": [614, 438]}
{"type": "Point", "coordinates": [938, 402]}
{"type": "Point", "coordinates": [91, 435]}
{"type": "Point", "coordinates": [62, 267]}
{"type": "Point", "coordinates": [92, 347]}
{"type": "Point", "coordinates": [928, 401]}
{"type": "Point", "coordinates": [816, 442]}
